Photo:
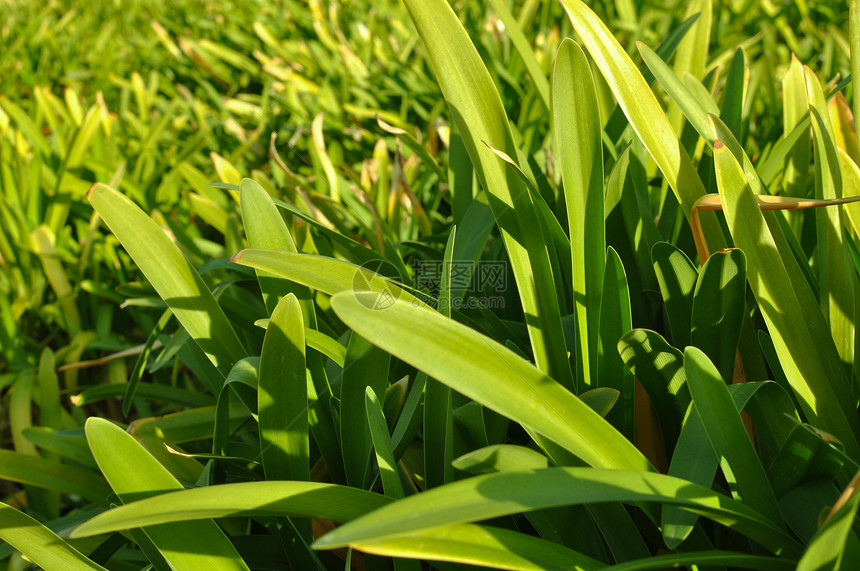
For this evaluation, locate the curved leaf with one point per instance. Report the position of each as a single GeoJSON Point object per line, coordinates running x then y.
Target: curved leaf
{"type": "Point", "coordinates": [134, 474]}
{"type": "Point", "coordinates": [299, 499]}
{"type": "Point", "coordinates": [41, 545]}
{"type": "Point", "coordinates": [489, 373]}
{"type": "Point", "coordinates": [579, 150]}
{"type": "Point", "coordinates": [493, 495]}
{"type": "Point", "coordinates": [485, 546]}
{"type": "Point", "coordinates": [477, 110]}
{"type": "Point", "coordinates": [172, 276]}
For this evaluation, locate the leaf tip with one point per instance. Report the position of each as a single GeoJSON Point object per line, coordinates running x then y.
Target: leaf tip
{"type": "Point", "coordinates": [323, 542]}
{"type": "Point", "coordinates": [237, 257]}
{"type": "Point", "coordinates": [90, 191]}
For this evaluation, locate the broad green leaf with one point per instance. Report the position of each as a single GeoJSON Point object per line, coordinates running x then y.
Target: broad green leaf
{"type": "Point", "coordinates": [70, 444]}
{"type": "Point", "coordinates": [365, 366]}
{"type": "Point", "coordinates": [382, 445]}
{"type": "Point", "coordinates": [571, 526]}
{"type": "Point", "coordinates": [158, 393]}
{"type": "Point", "coordinates": [172, 276]}
{"type": "Point", "coordinates": [477, 110]}
{"type": "Point", "coordinates": [804, 508]}
{"type": "Point", "coordinates": [844, 132]}
{"type": "Point", "coordinates": [795, 106]}
{"type": "Point", "coordinates": [600, 400]}
{"type": "Point", "coordinates": [774, 164]}
{"type": "Point", "coordinates": [282, 409]}
{"type": "Point", "coordinates": [461, 176]}
{"type": "Point", "coordinates": [728, 435]}
{"type": "Point", "coordinates": [850, 187]}
{"type": "Point", "coordinates": [677, 277]}
{"type": "Point", "coordinates": [134, 474]}
{"type": "Point", "coordinates": [835, 273]}
{"type": "Point", "coordinates": [186, 425]}
{"type": "Point", "coordinates": [282, 396]}
{"type": "Point", "coordinates": [326, 274]}
{"type": "Point", "coordinates": [638, 218]}
{"type": "Point", "coordinates": [484, 546]}
{"type": "Point", "coordinates": [731, 110]}
{"type": "Point", "coordinates": [694, 458]}
{"type": "Point", "coordinates": [854, 40]}
{"type": "Point", "coordinates": [52, 475]}
{"type": "Point", "coordinates": [41, 545]}
{"type": "Point", "coordinates": [660, 369]}
{"type": "Point", "coordinates": [579, 151]}
{"type": "Point", "coordinates": [493, 495]}
{"type": "Point", "coordinates": [500, 458]}
{"type": "Point", "coordinates": [438, 415]}
{"type": "Point", "coordinates": [719, 302]}
{"type": "Point", "coordinates": [615, 183]}
{"type": "Point", "coordinates": [702, 558]}
{"type": "Point", "coordinates": [827, 548]}
{"type": "Point", "coordinates": [259, 499]}
{"type": "Point", "coordinates": [490, 374]}
{"type": "Point", "coordinates": [615, 322]}
{"type": "Point", "coordinates": [805, 456]}
{"type": "Point", "coordinates": [225, 169]}
{"type": "Point", "coordinates": [21, 413]}
{"type": "Point", "coordinates": [266, 229]}
{"type": "Point", "coordinates": [811, 363]}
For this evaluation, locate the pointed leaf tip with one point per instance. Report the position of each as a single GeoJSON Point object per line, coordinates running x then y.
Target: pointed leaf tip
{"type": "Point", "coordinates": [235, 258]}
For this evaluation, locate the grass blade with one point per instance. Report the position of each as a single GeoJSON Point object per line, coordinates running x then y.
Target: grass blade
{"type": "Point", "coordinates": [485, 546]}
{"type": "Point", "coordinates": [52, 475]}
{"type": "Point", "coordinates": [172, 276]}
{"type": "Point", "coordinates": [483, 497]}
{"type": "Point", "coordinates": [728, 435]}
{"type": "Point", "coordinates": [835, 273]}
{"type": "Point", "coordinates": [615, 322]}
{"type": "Point", "coordinates": [482, 122]}
{"type": "Point", "coordinates": [642, 109]}
{"type": "Point", "coordinates": [266, 229]}
{"type": "Point", "coordinates": [382, 445]}
{"type": "Point", "coordinates": [489, 373]}
{"type": "Point", "coordinates": [282, 396]}
{"type": "Point", "coordinates": [578, 145]}
{"type": "Point", "coordinates": [41, 545]}
{"type": "Point", "coordinates": [811, 363]}
{"type": "Point", "coordinates": [293, 499]}
{"type": "Point", "coordinates": [718, 309]}
{"type": "Point", "coordinates": [365, 366]}
{"type": "Point", "coordinates": [134, 474]}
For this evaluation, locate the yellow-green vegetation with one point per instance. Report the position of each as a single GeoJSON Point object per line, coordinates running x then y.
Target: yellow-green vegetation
{"type": "Point", "coordinates": [427, 284]}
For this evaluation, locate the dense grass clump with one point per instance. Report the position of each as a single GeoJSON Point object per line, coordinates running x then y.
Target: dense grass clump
{"type": "Point", "coordinates": [521, 285]}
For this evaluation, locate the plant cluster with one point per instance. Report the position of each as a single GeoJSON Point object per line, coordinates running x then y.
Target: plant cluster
{"type": "Point", "coordinates": [521, 285]}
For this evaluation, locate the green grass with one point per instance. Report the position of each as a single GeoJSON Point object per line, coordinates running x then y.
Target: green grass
{"type": "Point", "coordinates": [524, 285]}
